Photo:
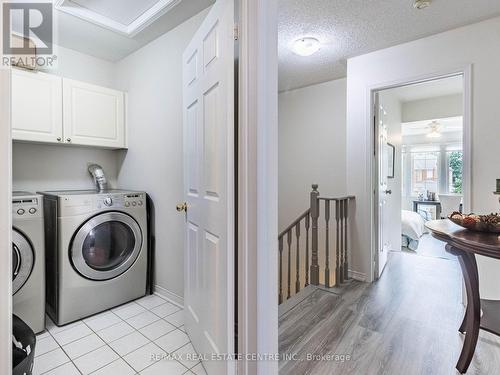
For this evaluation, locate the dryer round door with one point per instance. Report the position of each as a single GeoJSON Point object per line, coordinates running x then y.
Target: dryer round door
{"type": "Point", "coordinates": [106, 246]}
{"type": "Point", "coordinates": [23, 260]}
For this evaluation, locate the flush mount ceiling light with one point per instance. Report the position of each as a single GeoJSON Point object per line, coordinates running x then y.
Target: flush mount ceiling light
{"type": "Point", "coordinates": [306, 46]}
{"type": "Point", "coordinates": [434, 133]}
{"type": "Point", "coordinates": [422, 4]}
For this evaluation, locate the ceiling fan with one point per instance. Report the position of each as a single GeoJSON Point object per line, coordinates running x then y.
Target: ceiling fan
{"type": "Point", "coordinates": [435, 128]}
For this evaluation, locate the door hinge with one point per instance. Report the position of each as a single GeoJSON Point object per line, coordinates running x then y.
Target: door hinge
{"type": "Point", "coordinates": [236, 32]}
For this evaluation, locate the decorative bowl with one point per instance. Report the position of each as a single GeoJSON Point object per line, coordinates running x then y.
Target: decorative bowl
{"type": "Point", "coordinates": [477, 223]}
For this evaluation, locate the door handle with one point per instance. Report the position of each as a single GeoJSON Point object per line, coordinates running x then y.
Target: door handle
{"type": "Point", "coordinates": [388, 191]}
{"type": "Point", "coordinates": [182, 207]}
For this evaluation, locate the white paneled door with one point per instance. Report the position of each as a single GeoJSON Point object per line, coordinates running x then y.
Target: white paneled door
{"type": "Point", "coordinates": [382, 160]}
{"type": "Point", "coordinates": [208, 89]}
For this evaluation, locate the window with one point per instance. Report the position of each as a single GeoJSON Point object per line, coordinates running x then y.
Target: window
{"type": "Point", "coordinates": [455, 167]}
{"type": "Point", "coordinates": [430, 168]}
{"type": "Point", "coordinates": [424, 172]}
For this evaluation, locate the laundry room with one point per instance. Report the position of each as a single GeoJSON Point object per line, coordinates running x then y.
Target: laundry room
{"type": "Point", "coordinates": [97, 181]}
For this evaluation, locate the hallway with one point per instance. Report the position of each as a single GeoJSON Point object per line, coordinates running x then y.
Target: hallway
{"type": "Point", "coordinates": [406, 323]}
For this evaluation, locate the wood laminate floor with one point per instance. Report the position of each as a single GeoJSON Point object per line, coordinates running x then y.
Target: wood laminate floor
{"type": "Point", "coordinates": [405, 323]}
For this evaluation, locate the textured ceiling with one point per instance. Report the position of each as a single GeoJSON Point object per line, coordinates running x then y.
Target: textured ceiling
{"type": "Point", "coordinates": [348, 28]}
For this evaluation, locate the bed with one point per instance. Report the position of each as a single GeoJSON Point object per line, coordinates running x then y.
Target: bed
{"type": "Point", "coordinates": [412, 228]}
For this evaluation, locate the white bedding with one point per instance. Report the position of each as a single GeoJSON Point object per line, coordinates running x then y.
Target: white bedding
{"type": "Point", "coordinates": [412, 225]}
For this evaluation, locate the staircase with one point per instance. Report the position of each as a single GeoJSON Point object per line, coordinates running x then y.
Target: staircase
{"type": "Point", "coordinates": [309, 252]}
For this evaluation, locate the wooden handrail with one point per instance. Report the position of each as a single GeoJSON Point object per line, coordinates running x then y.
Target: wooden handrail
{"type": "Point", "coordinates": [294, 223]}
{"type": "Point", "coordinates": [348, 197]}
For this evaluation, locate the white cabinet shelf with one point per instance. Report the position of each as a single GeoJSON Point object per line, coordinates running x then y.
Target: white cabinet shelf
{"type": "Point", "coordinates": [93, 115]}
{"type": "Point", "coordinates": [50, 109]}
{"type": "Point", "coordinates": [36, 107]}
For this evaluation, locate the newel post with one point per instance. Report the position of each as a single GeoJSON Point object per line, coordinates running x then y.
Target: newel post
{"type": "Point", "coordinates": [314, 235]}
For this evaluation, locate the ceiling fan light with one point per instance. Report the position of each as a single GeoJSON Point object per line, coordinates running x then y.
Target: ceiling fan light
{"type": "Point", "coordinates": [434, 133]}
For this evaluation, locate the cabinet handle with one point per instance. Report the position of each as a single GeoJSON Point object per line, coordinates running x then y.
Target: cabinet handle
{"type": "Point", "coordinates": [68, 140]}
{"type": "Point", "coordinates": [58, 139]}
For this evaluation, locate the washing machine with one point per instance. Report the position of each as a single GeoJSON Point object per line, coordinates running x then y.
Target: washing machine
{"type": "Point", "coordinates": [96, 251]}
{"type": "Point", "coordinates": [28, 259]}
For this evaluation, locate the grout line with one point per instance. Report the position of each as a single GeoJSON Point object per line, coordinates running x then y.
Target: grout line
{"type": "Point", "coordinates": [109, 346]}
{"type": "Point", "coordinates": [167, 314]}
{"type": "Point", "coordinates": [156, 321]}
{"type": "Point", "coordinates": [123, 321]}
{"type": "Point", "coordinates": [189, 368]}
{"type": "Point", "coordinates": [53, 368]}
{"type": "Point", "coordinates": [124, 307]}
{"type": "Point", "coordinates": [58, 347]}
{"type": "Point", "coordinates": [50, 351]}
{"type": "Point", "coordinates": [101, 366]}
{"type": "Point", "coordinates": [70, 342]}
{"type": "Point", "coordinates": [176, 329]}
{"type": "Point", "coordinates": [118, 354]}
{"type": "Point", "coordinates": [169, 300]}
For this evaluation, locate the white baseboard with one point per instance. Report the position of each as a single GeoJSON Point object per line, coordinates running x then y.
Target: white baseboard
{"type": "Point", "coordinates": [169, 296]}
{"type": "Point", "coordinates": [357, 275]}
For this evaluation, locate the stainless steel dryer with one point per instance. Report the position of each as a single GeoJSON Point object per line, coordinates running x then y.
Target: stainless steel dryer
{"type": "Point", "coordinates": [96, 251]}
{"type": "Point", "coordinates": [28, 259]}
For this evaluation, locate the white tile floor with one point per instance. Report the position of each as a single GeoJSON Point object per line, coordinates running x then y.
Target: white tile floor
{"type": "Point", "coordinates": [121, 341]}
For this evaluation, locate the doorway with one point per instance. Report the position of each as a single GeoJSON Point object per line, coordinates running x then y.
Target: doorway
{"type": "Point", "coordinates": [420, 159]}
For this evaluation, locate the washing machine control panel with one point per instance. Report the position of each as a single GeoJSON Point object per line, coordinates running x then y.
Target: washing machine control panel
{"type": "Point", "coordinates": [135, 200]}
{"type": "Point", "coordinates": [27, 207]}
{"type": "Point", "coordinates": [121, 201]}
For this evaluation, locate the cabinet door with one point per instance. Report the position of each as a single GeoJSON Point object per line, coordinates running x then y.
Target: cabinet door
{"type": "Point", "coordinates": [93, 115]}
{"type": "Point", "coordinates": [36, 106]}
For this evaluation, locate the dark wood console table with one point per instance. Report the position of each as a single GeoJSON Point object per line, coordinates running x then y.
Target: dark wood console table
{"type": "Point", "coordinates": [466, 244]}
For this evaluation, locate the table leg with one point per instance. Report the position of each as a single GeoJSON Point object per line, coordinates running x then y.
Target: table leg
{"type": "Point", "coordinates": [472, 317]}
{"type": "Point", "coordinates": [463, 326]}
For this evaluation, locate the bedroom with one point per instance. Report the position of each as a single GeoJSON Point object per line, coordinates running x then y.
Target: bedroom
{"type": "Point", "coordinates": [421, 143]}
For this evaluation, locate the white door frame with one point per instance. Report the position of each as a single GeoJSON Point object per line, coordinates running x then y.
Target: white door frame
{"type": "Point", "coordinates": [5, 218]}
{"type": "Point", "coordinates": [5, 223]}
{"type": "Point", "coordinates": [258, 186]}
{"type": "Point", "coordinates": [466, 73]}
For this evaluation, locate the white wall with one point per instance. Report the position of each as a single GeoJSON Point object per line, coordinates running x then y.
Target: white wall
{"type": "Point", "coordinates": [48, 167]}
{"type": "Point", "coordinates": [433, 108]}
{"type": "Point", "coordinates": [311, 146]}
{"type": "Point", "coordinates": [474, 44]}
{"type": "Point", "coordinates": [154, 162]}
{"type": "Point", "coordinates": [76, 65]}
{"type": "Point", "coordinates": [392, 229]}
{"type": "Point", "coordinates": [38, 167]}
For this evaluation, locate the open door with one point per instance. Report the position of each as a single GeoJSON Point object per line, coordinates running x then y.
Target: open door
{"type": "Point", "coordinates": [209, 186]}
{"type": "Point", "coordinates": [382, 192]}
